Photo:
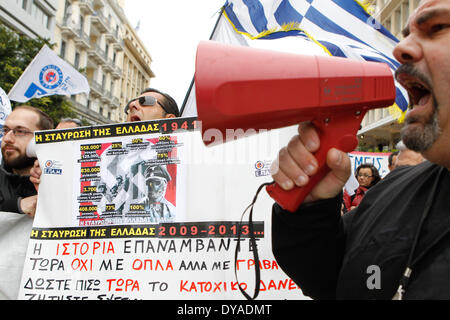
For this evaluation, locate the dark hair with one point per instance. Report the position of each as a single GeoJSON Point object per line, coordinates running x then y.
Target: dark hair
{"type": "Point", "coordinates": [391, 157]}
{"type": "Point", "coordinates": [169, 103]}
{"type": "Point", "coordinates": [375, 173]}
{"type": "Point", "coordinates": [45, 122]}
{"type": "Point", "coordinates": [76, 121]}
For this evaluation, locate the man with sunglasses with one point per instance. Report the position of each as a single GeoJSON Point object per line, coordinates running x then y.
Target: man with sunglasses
{"type": "Point", "coordinates": [152, 104]}
{"type": "Point", "coordinates": [17, 193]}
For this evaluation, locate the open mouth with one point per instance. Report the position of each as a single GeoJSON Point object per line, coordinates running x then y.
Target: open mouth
{"type": "Point", "coordinates": [418, 91]}
{"type": "Point", "coordinates": [135, 118]}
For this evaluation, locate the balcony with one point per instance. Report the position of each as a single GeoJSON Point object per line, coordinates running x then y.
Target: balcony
{"type": "Point", "coordinates": [110, 37]}
{"type": "Point", "coordinates": [69, 28]}
{"type": "Point", "coordinates": [108, 66]}
{"type": "Point", "coordinates": [96, 88]}
{"type": "Point", "coordinates": [99, 21]}
{"type": "Point", "coordinates": [97, 54]}
{"type": "Point", "coordinates": [86, 6]}
{"type": "Point", "coordinates": [118, 46]}
{"type": "Point", "coordinates": [82, 40]}
{"type": "Point", "coordinates": [106, 97]}
{"type": "Point", "coordinates": [116, 72]}
{"type": "Point", "coordinates": [115, 103]}
{"type": "Point", "coordinates": [88, 114]}
{"type": "Point", "coordinates": [98, 3]}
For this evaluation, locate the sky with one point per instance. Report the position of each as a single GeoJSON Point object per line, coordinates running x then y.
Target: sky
{"type": "Point", "coordinates": [171, 31]}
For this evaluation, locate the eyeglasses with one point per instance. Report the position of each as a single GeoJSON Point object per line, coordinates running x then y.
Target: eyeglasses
{"type": "Point", "coordinates": [145, 101]}
{"type": "Point", "coordinates": [16, 131]}
{"type": "Point", "coordinates": [364, 175]}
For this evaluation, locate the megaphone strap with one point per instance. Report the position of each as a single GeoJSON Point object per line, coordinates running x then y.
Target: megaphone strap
{"type": "Point", "coordinates": [253, 245]}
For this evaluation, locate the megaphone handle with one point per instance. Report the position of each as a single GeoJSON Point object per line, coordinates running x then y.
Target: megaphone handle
{"type": "Point", "coordinates": [337, 132]}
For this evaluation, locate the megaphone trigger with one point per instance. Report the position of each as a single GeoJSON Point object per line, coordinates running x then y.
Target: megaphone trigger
{"type": "Point", "coordinates": [338, 131]}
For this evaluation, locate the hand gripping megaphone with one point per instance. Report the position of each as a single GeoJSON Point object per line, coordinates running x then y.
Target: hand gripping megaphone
{"type": "Point", "coordinates": [247, 88]}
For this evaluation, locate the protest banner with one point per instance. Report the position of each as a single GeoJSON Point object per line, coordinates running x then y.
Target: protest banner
{"type": "Point", "coordinates": [144, 210]}
{"type": "Point", "coordinates": [378, 159]}
{"type": "Point", "coordinates": [14, 236]}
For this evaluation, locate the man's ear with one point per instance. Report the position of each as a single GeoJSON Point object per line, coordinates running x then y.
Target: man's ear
{"type": "Point", "coordinates": [170, 115]}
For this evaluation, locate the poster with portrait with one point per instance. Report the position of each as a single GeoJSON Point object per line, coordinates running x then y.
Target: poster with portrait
{"type": "Point", "coordinates": [145, 211]}
{"type": "Point", "coordinates": [130, 181]}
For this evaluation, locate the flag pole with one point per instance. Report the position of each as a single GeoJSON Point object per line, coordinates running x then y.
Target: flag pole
{"type": "Point", "coordinates": [188, 93]}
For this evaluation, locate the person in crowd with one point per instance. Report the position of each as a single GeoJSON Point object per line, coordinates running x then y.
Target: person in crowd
{"type": "Point", "coordinates": [396, 243]}
{"type": "Point", "coordinates": [407, 157]}
{"type": "Point", "coordinates": [151, 104]}
{"type": "Point", "coordinates": [17, 193]}
{"type": "Point", "coordinates": [367, 176]}
{"type": "Point", "coordinates": [67, 123]}
{"type": "Point", "coordinates": [392, 159]}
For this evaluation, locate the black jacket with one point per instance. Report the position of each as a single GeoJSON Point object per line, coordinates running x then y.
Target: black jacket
{"type": "Point", "coordinates": [13, 188]}
{"type": "Point", "coordinates": [334, 257]}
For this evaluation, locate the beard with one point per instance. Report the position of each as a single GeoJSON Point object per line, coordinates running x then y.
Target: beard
{"type": "Point", "coordinates": [418, 138]}
{"type": "Point", "coordinates": [20, 162]}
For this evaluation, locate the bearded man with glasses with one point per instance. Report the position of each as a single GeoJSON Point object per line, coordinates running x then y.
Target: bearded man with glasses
{"type": "Point", "coordinates": [17, 193]}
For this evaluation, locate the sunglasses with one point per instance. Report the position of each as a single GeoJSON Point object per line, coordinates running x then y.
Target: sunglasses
{"type": "Point", "coordinates": [145, 101]}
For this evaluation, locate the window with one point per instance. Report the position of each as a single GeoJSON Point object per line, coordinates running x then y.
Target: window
{"type": "Point", "coordinates": [66, 6]}
{"type": "Point", "coordinates": [398, 20]}
{"type": "Point", "coordinates": [77, 60]}
{"type": "Point", "coordinates": [405, 13]}
{"type": "Point", "coordinates": [46, 21]}
{"type": "Point", "coordinates": [62, 51]}
{"type": "Point", "coordinates": [82, 23]}
{"type": "Point", "coordinates": [24, 4]}
{"type": "Point", "coordinates": [40, 15]}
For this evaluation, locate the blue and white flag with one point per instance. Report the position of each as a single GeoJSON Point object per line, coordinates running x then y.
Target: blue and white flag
{"type": "Point", "coordinates": [5, 109]}
{"type": "Point", "coordinates": [342, 28]}
{"type": "Point", "coordinates": [5, 106]}
{"type": "Point", "coordinates": [48, 75]}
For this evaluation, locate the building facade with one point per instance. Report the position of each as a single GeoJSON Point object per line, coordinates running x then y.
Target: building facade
{"type": "Point", "coordinates": [380, 127]}
{"type": "Point", "coordinates": [34, 18]}
{"type": "Point", "coordinates": [136, 68]}
{"type": "Point", "coordinates": [95, 37]}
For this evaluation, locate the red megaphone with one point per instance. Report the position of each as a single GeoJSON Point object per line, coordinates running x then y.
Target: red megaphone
{"type": "Point", "coordinates": [246, 88]}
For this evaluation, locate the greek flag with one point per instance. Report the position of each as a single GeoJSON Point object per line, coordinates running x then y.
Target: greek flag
{"type": "Point", "coordinates": [342, 28]}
